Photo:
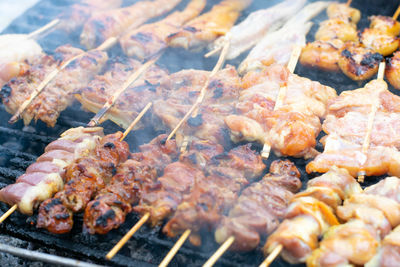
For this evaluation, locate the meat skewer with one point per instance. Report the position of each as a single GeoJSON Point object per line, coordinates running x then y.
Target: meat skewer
{"type": "Point", "coordinates": [259, 23]}
{"type": "Point", "coordinates": [203, 207]}
{"type": "Point", "coordinates": [309, 216]}
{"type": "Point", "coordinates": [258, 210]}
{"type": "Point", "coordinates": [387, 254]}
{"type": "Point", "coordinates": [46, 176]}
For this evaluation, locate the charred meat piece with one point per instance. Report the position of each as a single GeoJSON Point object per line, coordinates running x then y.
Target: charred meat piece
{"type": "Point", "coordinates": [84, 177]}
{"type": "Point", "coordinates": [112, 23]}
{"type": "Point", "coordinates": [46, 177]}
{"type": "Point", "coordinates": [108, 210]}
{"type": "Point", "coordinates": [212, 196]}
{"type": "Point", "coordinates": [392, 73]}
{"type": "Point", "coordinates": [260, 207]}
{"type": "Point", "coordinates": [310, 215]}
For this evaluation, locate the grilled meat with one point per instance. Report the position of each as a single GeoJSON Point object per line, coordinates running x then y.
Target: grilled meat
{"type": "Point", "coordinates": [46, 176]}
{"type": "Point", "coordinates": [260, 207]}
{"type": "Point", "coordinates": [58, 94]}
{"type": "Point", "coordinates": [368, 217]}
{"type": "Point", "coordinates": [311, 213]}
{"type": "Point", "coordinates": [161, 198]}
{"type": "Point", "coordinates": [151, 39]}
{"type": "Point", "coordinates": [292, 128]}
{"type": "Point", "coordinates": [132, 100]}
{"type": "Point", "coordinates": [252, 30]}
{"type": "Point", "coordinates": [216, 193]}
{"type": "Point", "coordinates": [388, 253]}
{"type": "Point", "coordinates": [112, 23]}
{"type": "Point", "coordinates": [392, 73]}
{"type": "Point", "coordinates": [108, 210]}
{"type": "Point", "coordinates": [204, 29]}
{"type": "Point", "coordinates": [84, 177]}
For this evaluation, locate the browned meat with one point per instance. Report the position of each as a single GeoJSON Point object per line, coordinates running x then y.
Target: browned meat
{"type": "Point", "coordinates": [217, 193]}
{"type": "Point", "coordinates": [161, 198]}
{"type": "Point", "coordinates": [151, 39]}
{"type": "Point", "coordinates": [311, 214]}
{"type": "Point", "coordinates": [108, 210]}
{"type": "Point", "coordinates": [132, 101]}
{"type": "Point", "coordinates": [260, 207]}
{"type": "Point", "coordinates": [84, 177]}
{"type": "Point", "coordinates": [392, 73]}
{"type": "Point", "coordinates": [46, 177]}
{"type": "Point", "coordinates": [112, 23]}
{"type": "Point", "coordinates": [389, 251]}
{"type": "Point", "coordinates": [58, 94]}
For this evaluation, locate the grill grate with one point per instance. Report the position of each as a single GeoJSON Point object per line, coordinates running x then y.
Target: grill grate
{"type": "Point", "coordinates": [19, 147]}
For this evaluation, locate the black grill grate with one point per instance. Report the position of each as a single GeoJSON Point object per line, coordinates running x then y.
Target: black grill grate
{"type": "Point", "coordinates": [19, 147]}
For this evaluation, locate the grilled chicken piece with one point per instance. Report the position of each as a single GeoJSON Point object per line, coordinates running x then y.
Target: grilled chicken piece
{"type": "Point", "coordinates": [346, 126]}
{"type": "Point", "coordinates": [368, 217]}
{"type": "Point", "coordinates": [392, 73]}
{"type": "Point", "coordinates": [57, 95]}
{"type": "Point", "coordinates": [112, 23]}
{"type": "Point", "coordinates": [291, 129]}
{"type": "Point", "coordinates": [310, 214]}
{"type": "Point", "coordinates": [151, 39]}
{"type": "Point", "coordinates": [204, 29]}
{"type": "Point", "coordinates": [324, 55]}
{"type": "Point", "coordinates": [78, 14]}
{"type": "Point", "coordinates": [126, 108]}
{"type": "Point", "coordinates": [260, 207]}
{"type": "Point", "coordinates": [111, 205]}
{"type": "Point", "coordinates": [381, 36]}
{"type": "Point", "coordinates": [277, 47]}
{"type": "Point", "coordinates": [388, 254]}
{"type": "Point", "coordinates": [343, 11]}
{"type": "Point", "coordinates": [161, 198]}
{"type": "Point", "coordinates": [181, 90]}
{"type": "Point", "coordinates": [84, 177]}
{"type": "Point", "coordinates": [204, 207]}
{"type": "Point", "coordinates": [337, 29]}
{"type": "Point", "coordinates": [250, 31]}
{"type": "Point", "coordinates": [46, 176]}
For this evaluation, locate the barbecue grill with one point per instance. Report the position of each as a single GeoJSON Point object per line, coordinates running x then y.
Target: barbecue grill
{"type": "Point", "coordinates": [20, 145]}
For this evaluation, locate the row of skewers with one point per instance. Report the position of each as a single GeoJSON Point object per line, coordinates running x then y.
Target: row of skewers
{"type": "Point", "coordinates": [275, 106]}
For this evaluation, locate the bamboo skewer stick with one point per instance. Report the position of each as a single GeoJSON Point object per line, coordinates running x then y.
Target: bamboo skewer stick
{"type": "Point", "coordinates": [220, 251]}
{"type": "Point", "coordinates": [41, 30]}
{"type": "Point", "coordinates": [8, 213]}
{"type": "Point", "coordinates": [217, 67]}
{"type": "Point", "coordinates": [397, 13]}
{"type": "Point", "coordinates": [104, 46]}
{"type": "Point", "coordinates": [294, 57]}
{"type": "Point", "coordinates": [111, 101]}
{"type": "Point", "coordinates": [348, 3]}
{"type": "Point", "coordinates": [271, 257]}
{"type": "Point", "coordinates": [370, 124]}
{"type": "Point", "coordinates": [175, 249]}
{"type": "Point", "coordinates": [127, 236]}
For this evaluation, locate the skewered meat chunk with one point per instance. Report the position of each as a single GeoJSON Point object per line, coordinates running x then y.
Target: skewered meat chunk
{"type": "Point", "coordinates": [392, 73]}
{"type": "Point", "coordinates": [181, 90]}
{"type": "Point", "coordinates": [388, 254]}
{"type": "Point", "coordinates": [276, 47]}
{"type": "Point", "coordinates": [57, 95]}
{"type": "Point", "coordinates": [108, 210]}
{"type": "Point", "coordinates": [151, 39]}
{"type": "Point", "coordinates": [161, 198]}
{"type": "Point", "coordinates": [260, 207]}
{"type": "Point", "coordinates": [46, 176]}
{"type": "Point", "coordinates": [217, 193]}
{"type": "Point", "coordinates": [201, 31]}
{"type": "Point", "coordinates": [324, 55]}
{"type": "Point", "coordinates": [84, 177]}
{"type": "Point", "coordinates": [346, 126]}
{"type": "Point", "coordinates": [291, 129]}
{"type": "Point", "coordinates": [250, 31]}
{"type": "Point", "coordinates": [369, 217]}
{"type": "Point", "coordinates": [343, 11]}
{"type": "Point", "coordinates": [112, 23]}
{"type": "Point", "coordinates": [337, 29]}
{"type": "Point", "coordinates": [78, 14]}
{"type": "Point", "coordinates": [126, 108]}
{"type": "Point", "coordinates": [310, 214]}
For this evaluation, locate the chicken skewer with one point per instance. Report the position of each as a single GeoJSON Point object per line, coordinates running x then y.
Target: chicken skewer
{"type": "Point", "coordinates": [258, 210]}
{"type": "Point", "coordinates": [387, 254]}
{"type": "Point", "coordinates": [309, 216]}
{"type": "Point", "coordinates": [259, 23]}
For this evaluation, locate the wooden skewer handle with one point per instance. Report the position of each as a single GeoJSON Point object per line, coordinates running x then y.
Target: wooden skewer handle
{"type": "Point", "coordinates": [8, 213]}
{"type": "Point", "coordinates": [175, 249]}
{"type": "Point", "coordinates": [221, 250]}
{"type": "Point", "coordinates": [271, 257]}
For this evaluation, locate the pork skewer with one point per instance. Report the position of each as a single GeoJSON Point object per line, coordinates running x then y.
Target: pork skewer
{"type": "Point", "coordinates": [46, 176]}
{"type": "Point", "coordinates": [309, 216]}
{"type": "Point", "coordinates": [259, 23]}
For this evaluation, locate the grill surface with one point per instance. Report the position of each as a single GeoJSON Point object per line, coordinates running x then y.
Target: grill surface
{"type": "Point", "coordinates": [19, 147]}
